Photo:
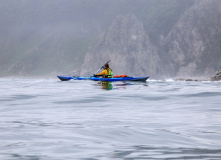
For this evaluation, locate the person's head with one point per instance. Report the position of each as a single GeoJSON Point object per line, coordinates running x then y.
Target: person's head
{"type": "Point", "coordinates": [106, 66]}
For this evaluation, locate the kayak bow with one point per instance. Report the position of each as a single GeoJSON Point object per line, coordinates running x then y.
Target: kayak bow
{"type": "Point", "coordinates": [64, 78]}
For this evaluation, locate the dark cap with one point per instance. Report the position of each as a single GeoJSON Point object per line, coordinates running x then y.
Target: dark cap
{"type": "Point", "coordinates": [107, 65]}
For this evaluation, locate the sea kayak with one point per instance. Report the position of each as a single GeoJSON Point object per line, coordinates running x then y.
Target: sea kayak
{"type": "Point", "coordinates": [64, 78]}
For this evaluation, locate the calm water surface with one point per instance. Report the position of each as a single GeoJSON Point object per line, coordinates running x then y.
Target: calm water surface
{"type": "Point", "coordinates": [51, 120]}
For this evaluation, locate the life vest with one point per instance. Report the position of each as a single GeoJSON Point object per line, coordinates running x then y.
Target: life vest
{"type": "Point", "coordinates": [110, 73]}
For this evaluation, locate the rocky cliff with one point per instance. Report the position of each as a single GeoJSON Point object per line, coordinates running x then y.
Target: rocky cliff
{"type": "Point", "coordinates": [52, 37]}
{"type": "Point", "coordinates": [158, 38]}
{"type": "Point", "coordinates": [194, 43]}
{"type": "Point", "coordinates": [128, 46]}
{"type": "Point", "coordinates": [191, 49]}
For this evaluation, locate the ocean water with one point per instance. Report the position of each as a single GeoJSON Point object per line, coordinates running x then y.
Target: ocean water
{"type": "Point", "coordinates": [46, 119]}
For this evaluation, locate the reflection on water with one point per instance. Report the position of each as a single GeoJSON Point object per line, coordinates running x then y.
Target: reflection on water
{"type": "Point", "coordinates": [117, 85]}
{"type": "Point", "coordinates": [107, 85]}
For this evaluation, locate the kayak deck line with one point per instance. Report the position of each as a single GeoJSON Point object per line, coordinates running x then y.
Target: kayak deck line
{"type": "Point", "coordinates": [65, 78]}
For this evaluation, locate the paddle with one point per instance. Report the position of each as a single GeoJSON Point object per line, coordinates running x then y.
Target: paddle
{"type": "Point", "coordinates": [101, 68]}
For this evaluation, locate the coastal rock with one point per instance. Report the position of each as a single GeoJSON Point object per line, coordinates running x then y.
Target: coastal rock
{"type": "Point", "coordinates": [184, 79]}
{"type": "Point", "coordinates": [217, 76]}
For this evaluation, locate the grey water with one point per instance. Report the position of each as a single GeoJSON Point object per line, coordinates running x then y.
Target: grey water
{"type": "Point", "coordinates": [46, 119]}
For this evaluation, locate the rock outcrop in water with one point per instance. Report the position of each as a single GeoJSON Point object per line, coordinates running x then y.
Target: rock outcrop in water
{"type": "Point", "coordinates": [217, 76]}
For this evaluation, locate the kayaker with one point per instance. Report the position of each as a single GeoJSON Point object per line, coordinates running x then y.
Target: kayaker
{"type": "Point", "coordinates": [106, 73]}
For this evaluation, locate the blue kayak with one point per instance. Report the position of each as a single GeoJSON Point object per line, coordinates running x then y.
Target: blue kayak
{"type": "Point", "coordinates": [64, 78]}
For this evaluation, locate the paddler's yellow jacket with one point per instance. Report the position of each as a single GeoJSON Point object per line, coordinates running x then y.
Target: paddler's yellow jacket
{"type": "Point", "coordinates": [107, 73]}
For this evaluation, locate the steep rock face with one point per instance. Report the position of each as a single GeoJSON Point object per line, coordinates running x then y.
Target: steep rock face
{"type": "Point", "coordinates": [191, 49]}
{"type": "Point", "coordinates": [194, 43]}
{"type": "Point", "coordinates": [129, 48]}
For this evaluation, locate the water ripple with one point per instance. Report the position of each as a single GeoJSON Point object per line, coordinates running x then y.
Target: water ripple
{"type": "Point", "coordinates": [157, 153]}
{"type": "Point", "coordinates": [53, 120]}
